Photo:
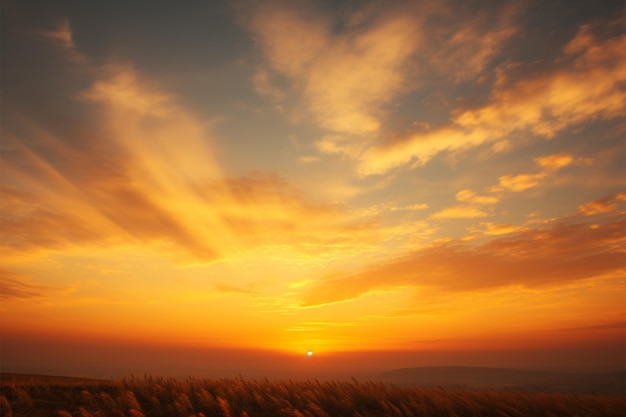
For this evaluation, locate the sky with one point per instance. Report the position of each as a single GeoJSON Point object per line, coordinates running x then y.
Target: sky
{"type": "Point", "coordinates": [399, 182]}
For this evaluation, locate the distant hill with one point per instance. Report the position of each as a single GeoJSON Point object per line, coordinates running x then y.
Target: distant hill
{"type": "Point", "coordinates": [502, 378]}
{"type": "Point", "coordinates": [8, 377]}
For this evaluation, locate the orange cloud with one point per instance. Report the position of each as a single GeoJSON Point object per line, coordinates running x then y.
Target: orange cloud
{"type": "Point", "coordinates": [28, 223]}
{"type": "Point", "coordinates": [554, 162]}
{"type": "Point", "coordinates": [549, 163]}
{"type": "Point", "coordinates": [563, 253]}
{"type": "Point", "coordinates": [603, 205]}
{"type": "Point", "coordinates": [502, 229]}
{"type": "Point", "coordinates": [466, 52]}
{"type": "Point", "coordinates": [459, 212]}
{"type": "Point", "coordinates": [519, 182]}
{"type": "Point", "coordinates": [468, 196]}
{"type": "Point", "coordinates": [541, 104]}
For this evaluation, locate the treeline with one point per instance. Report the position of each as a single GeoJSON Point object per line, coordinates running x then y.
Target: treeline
{"type": "Point", "coordinates": [168, 397]}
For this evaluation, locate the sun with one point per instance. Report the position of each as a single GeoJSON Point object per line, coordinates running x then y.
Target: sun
{"type": "Point", "coordinates": [309, 353]}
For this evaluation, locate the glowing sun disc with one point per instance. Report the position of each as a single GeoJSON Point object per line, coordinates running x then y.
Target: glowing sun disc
{"type": "Point", "coordinates": [309, 353]}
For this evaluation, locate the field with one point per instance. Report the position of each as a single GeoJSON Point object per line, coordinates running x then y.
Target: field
{"type": "Point", "coordinates": [34, 396]}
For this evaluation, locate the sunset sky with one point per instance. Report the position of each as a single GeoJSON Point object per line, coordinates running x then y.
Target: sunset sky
{"type": "Point", "coordinates": [334, 176]}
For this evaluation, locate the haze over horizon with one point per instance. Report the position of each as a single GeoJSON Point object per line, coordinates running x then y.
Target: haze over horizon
{"type": "Point", "coordinates": [231, 184]}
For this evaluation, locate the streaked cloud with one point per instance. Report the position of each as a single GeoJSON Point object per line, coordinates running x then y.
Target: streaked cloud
{"type": "Point", "coordinates": [502, 229]}
{"type": "Point", "coordinates": [563, 252]}
{"type": "Point", "coordinates": [15, 286]}
{"type": "Point", "coordinates": [156, 181]}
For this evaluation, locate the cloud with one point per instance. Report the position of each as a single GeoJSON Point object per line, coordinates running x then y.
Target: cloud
{"type": "Point", "coordinates": [554, 162]}
{"type": "Point", "coordinates": [342, 76]}
{"type": "Point", "coordinates": [471, 37]}
{"type": "Point", "coordinates": [138, 168]}
{"type": "Point", "coordinates": [346, 68]}
{"type": "Point", "coordinates": [519, 182]}
{"type": "Point", "coordinates": [604, 326]}
{"type": "Point", "coordinates": [308, 159]}
{"type": "Point", "coordinates": [30, 224]}
{"type": "Point", "coordinates": [62, 34]}
{"type": "Point", "coordinates": [13, 287]}
{"type": "Point", "coordinates": [421, 206]}
{"type": "Point", "coordinates": [581, 85]}
{"type": "Point", "coordinates": [502, 229]}
{"type": "Point", "coordinates": [459, 212]}
{"type": "Point", "coordinates": [566, 251]}
{"type": "Point", "coordinates": [603, 205]}
{"type": "Point", "coordinates": [468, 196]}
{"type": "Point", "coordinates": [117, 177]}
{"type": "Point", "coordinates": [338, 145]}
{"type": "Point", "coordinates": [550, 164]}
{"type": "Point", "coordinates": [263, 84]}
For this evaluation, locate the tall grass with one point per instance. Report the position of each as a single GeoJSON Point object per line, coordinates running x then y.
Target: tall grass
{"type": "Point", "coordinates": [155, 396]}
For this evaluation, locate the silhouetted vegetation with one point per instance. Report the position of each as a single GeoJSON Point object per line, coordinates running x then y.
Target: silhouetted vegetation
{"type": "Point", "coordinates": [157, 396]}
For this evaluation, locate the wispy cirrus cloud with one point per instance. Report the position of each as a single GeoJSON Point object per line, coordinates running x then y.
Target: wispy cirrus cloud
{"type": "Point", "coordinates": [140, 170]}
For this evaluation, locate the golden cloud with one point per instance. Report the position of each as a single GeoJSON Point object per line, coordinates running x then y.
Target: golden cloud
{"type": "Point", "coordinates": [542, 104]}
{"type": "Point", "coordinates": [502, 229]}
{"type": "Point", "coordinates": [566, 251]}
{"type": "Point", "coordinates": [459, 212]}
{"type": "Point", "coordinates": [469, 196]}
{"type": "Point", "coordinates": [550, 164]}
